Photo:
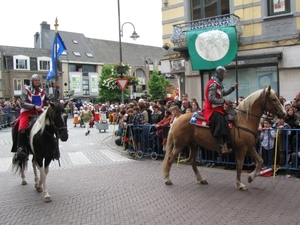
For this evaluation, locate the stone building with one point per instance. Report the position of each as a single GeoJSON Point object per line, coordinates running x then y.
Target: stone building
{"type": "Point", "coordinates": [79, 66]}
{"type": "Point", "coordinates": [268, 39]}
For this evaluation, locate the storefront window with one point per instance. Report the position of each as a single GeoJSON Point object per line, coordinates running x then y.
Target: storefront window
{"type": "Point", "coordinates": [251, 80]}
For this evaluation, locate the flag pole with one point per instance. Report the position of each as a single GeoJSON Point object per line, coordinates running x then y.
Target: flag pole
{"type": "Point", "coordinates": [56, 91]}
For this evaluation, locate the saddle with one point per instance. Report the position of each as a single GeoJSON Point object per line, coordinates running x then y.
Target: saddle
{"type": "Point", "coordinates": [230, 114]}
{"type": "Point", "coordinates": [15, 130]}
{"type": "Point", "coordinates": [199, 120]}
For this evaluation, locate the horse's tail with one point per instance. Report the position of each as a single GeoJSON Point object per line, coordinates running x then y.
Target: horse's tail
{"type": "Point", "coordinates": [19, 167]}
{"type": "Point", "coordinates": [170, 144]}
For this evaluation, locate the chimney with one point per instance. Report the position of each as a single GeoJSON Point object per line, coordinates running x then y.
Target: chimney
{"type": "Point", "coordinates": [45, 26]}
{"type": "Point", "coordinates": [36, 38]}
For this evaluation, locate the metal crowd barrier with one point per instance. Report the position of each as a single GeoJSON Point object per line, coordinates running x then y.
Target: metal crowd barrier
{"type": "Point", "coordinates": [142, 140]}
{"type": "Point", "coordinates": [7, 119]}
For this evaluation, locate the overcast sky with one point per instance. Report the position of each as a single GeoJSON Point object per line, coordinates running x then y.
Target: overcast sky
{"type": "Point", "coordinates": [21, 19]}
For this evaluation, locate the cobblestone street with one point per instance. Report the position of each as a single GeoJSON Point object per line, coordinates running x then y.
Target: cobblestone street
{"type": "Point", "coordinates": [97, 185]}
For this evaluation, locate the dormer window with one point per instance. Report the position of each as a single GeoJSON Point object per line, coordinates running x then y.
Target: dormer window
{"type": "Point", "coordinates": [90, 55]}
{"type": "Point", "coordinates": [21, 62]}
{"type": "Point", "coordinates": [75, 42]}
{"type": "Point", "coordinates": [43, 63]}
{"type": "Point", "coordinates": [77, 54]}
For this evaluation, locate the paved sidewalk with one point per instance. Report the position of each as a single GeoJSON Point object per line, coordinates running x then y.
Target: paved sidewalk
{"type": "Point", "coordinates": [115, 189]}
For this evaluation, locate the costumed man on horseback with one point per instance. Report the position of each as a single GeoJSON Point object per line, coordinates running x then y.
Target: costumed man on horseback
{"type": "Point", "coordinates": [213, 108]}
{"type": "Point", "coordinates": [32, 103]}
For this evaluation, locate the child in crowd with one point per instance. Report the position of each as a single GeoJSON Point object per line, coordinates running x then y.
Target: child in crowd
{"type": "Point", "coordinates": [267, 138]}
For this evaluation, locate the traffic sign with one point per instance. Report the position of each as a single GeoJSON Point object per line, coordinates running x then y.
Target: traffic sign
{"type": "Point", "coordinates": [122, 83]}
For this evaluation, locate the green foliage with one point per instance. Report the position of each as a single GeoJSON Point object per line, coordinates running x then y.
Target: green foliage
{"type": "Point", "coordinates": [157, 84]}
{"type": "Point", "coordinates": [108, 88]}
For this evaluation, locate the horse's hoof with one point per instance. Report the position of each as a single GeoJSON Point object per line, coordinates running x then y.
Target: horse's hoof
{"type": "Point", "coordinates": [203, 182]}
{"type": "Point", "coordinates": [39, 189]}
{"type": "Point", "coordinates": [24, 182]}
{"type": "Point", "coordinates": [168, 182]}
{"type": "Point", "coordinates": [47, 199]}
{"type": "Point", "coordinates": [243, 189]}
{"type": "Point", "coordinates": [250, 179]}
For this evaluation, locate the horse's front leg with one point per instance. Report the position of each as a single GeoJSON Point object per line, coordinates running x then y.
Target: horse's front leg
{"type": "Point", "coordinates": [258, 160]}
{"type": "Point", "coordinates": [37, 184]}
{"type": "Point", "coordinates": [43, 174]}
{"type": "Point", "coordinates": [240, 156]}
{"type": "Point", "coordinates": [193, 156]}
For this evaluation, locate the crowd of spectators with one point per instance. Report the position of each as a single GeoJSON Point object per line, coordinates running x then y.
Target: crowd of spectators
{"type": "Point", "coordinates": [9, 111]}
{"type": "Point", "coordinates": [161, 114]}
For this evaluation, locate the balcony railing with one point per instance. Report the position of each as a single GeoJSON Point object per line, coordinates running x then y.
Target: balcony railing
{"type": "Point", "coordinates": [179, 30]}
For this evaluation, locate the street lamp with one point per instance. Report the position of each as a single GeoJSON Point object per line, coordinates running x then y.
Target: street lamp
{"type": "Point", "coordinates": [134, 36]}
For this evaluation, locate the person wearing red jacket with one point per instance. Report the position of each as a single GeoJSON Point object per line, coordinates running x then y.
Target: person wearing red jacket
{"type": "Point", "coordinates": [214, 110]}
{"type": "Point", "coordinates": [163, 126]}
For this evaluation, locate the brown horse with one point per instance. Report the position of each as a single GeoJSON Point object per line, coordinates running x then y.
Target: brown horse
{"type": "Point", "coordinates": [243, 135]}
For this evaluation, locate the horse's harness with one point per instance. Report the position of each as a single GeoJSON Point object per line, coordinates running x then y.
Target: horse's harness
{"type": "Point", "coordinates": [54, 127]}
{"type": "Point", "coordinates": [251, 114]}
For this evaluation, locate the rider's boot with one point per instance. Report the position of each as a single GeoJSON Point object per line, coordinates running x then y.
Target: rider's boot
{"type": "Point", "coordinates": [21, 154]}
{"type": "Point", "coordinates": [223, 148]}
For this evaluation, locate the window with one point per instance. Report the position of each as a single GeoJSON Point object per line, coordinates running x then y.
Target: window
{"type": "Point", "coordinates": [21, 62]}
{"type": "Point", "coordinates": [77, 54]}
{"type": "Point", "coordinates": [17, 85]}
{"type": "Point", "coordinates": [276, 7]}
{"type": "Point", "coordinates": [85, 87]}
{"type": "Point", "coordinates": [43, 63]}
{"type": "Point", "coordinates": [209, 8]}
{"type": "Point", "coordinates": [90, 55]}
{"type": "Point", "coordinates": [140, 74]}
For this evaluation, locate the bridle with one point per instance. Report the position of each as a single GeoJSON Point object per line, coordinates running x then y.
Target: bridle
{"type": "Point", "coordinates": [54, 127]}
{"type": "Point", "coordinates": [267, 99]}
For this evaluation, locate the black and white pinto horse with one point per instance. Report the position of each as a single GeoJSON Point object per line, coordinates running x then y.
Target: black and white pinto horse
{"type": "Point", "coordinates": [42, 143]}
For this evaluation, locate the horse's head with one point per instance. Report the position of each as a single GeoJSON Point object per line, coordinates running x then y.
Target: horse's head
{"type": "Point", "coordinates": [272, 103]}
{"type": "Point", "coordinates": [56, 115]}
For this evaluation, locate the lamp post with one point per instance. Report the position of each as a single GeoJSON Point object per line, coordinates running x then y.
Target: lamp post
{"type": "Point", "coordinates": [134, 36]}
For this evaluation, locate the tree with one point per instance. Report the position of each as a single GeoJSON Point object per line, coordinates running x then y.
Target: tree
{"type": "Point", "coordinates": [108, 88]}
{"type": "Point", "coordinates": [157, 84]}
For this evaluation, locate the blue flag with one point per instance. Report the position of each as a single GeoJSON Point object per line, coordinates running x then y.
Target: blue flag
{"type": "Point", "coordinates": [58, 45]}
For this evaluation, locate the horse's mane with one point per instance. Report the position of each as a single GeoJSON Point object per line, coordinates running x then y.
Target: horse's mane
{"type": "Point", "coordinates": [40, 123]}
{"type": "Point", "coordinates": [247, 103]}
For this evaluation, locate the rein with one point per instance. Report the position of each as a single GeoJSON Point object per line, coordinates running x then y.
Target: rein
{"type": "Point", "coordinates": [251, 114]}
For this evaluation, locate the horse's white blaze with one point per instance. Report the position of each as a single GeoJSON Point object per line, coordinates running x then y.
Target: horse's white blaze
{"type": "Point", "coordinates": [38, 125]}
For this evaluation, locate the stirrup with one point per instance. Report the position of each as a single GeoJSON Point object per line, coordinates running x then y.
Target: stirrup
{"type": "Point", "coordinates": [21, 155]}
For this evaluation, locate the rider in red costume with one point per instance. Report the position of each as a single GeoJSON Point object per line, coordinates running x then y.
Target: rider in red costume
{"type": "Point", "coordinates": [32, 103]}
{"type": "Point", "coordinates": [213, 108]}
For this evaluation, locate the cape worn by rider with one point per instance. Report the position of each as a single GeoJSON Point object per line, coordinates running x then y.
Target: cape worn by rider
{"type": "Point", "coordinates": [214, 108]}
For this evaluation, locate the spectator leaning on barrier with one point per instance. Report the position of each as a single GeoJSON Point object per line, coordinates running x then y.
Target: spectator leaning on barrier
{"type": "Point", "coordinates": [16, 108]}
{"type": "Point", "coordinates": [137, 120]}
{"type": "Point", "coordinates": [267, 138]}
{"type": "Point", "coordinates": [7, 114]}
{"type": "Point", "coordinates": [280, 124]}
{"type": "Point", "coordinates": [156, 115]}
